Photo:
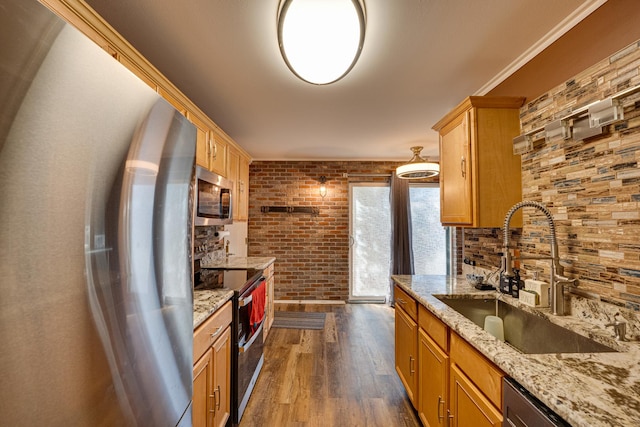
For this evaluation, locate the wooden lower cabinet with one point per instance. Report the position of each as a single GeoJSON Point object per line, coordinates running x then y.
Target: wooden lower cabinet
{"type": "Point", "coordinates": [407, 353]}
{"type": "Point", "coordinates": [269, 308]}
{"type": "Point", "coordinates": [212, 384]}
{"type": "Point", "coordinates": [468, 406]}
{"type": "Point", "coordinates": [202, 386]}
{"type": "Point", "coordinates": [212, 369]}
{"type": "Point", "coordinates": [433, 380]}
{"type": "Point", "coordinates": [448, 381]}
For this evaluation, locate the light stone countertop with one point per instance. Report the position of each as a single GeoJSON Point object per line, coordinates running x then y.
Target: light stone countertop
{"type": "Point", "coordinates": [239, 263]}
{"type": "Point", "coordinates": [586, 389]}
{"type": "Point", "coordinates": [206, 302]}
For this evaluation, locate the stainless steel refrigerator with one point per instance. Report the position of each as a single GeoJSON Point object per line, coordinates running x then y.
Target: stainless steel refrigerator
{"type": "Point", "coordinates": [96, 299]}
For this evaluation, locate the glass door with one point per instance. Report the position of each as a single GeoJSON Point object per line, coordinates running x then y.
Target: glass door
{"type": "Point", "coordinates": [370, 242]}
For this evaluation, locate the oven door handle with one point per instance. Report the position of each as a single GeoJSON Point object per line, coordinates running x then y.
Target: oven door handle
{"type": "Point", "coordinates": [248, 344]}
{"type": "Point", "coordinates": [244, 301]}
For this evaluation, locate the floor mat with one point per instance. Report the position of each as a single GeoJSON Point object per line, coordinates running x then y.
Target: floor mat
{"type": "Point", "coordinates": [298, 320]}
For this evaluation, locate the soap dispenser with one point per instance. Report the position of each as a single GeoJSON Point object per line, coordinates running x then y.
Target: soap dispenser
{"type": "Point", "coordinates": [516, 284]}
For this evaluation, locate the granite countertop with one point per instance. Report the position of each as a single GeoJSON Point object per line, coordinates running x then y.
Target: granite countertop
{"type": "Point", "coordinates": [586, 389]}
{"type": "Point", "coordinates": [239, 263]}
{"type": "Point", "coordinates": [206, 302]}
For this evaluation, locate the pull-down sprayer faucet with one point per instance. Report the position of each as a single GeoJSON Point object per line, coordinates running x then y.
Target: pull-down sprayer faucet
{"type": "Point", "coordinates": [556, 278]}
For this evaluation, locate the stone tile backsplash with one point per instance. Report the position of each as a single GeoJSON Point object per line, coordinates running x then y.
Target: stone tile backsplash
{"type": "Point", "coordinates": [592, 187]}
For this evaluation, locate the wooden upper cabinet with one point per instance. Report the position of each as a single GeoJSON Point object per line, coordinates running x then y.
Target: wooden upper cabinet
{"type": "Point", "coordinates": [243, 191]}
{"type": "Point", "coordinates": [218, 155]}
{"type": "Point", "coordinates": [238, 169]}
{"type": "Point", "coordinates": [211, 149]}
{"type": "Point", "coordinates": [480, 177]}
{"type": "Point", "coordinates": [203, 146]}
{"type": "Point", "coordinates": [212, 143]}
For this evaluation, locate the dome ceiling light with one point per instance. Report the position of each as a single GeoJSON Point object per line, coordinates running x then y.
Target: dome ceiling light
{"type": "Point", "coordinates": [417, 168]}
{"type": "Point", "coordinates": [321, 40]}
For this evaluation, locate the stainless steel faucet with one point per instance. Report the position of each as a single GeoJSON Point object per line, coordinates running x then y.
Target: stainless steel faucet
{"type": "Point", "coordinates": [619, 328]}
{"type": "Point", "coordinates": [556, 279]}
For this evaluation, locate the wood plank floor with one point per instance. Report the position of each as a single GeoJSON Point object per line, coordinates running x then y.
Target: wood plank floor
{"type": "Point", "coordinates": [343, 375]}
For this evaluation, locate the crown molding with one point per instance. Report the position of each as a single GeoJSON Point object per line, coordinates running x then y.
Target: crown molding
{"type": "Point", "coordinates": [558, 31]}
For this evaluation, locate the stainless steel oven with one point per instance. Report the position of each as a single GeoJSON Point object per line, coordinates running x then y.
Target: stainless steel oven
{"type": "Point", "coordinates": [247, 332]}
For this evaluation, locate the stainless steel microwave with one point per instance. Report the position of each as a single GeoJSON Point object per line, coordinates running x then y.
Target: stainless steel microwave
{"type": "Point", "coordinates": [214, 198]}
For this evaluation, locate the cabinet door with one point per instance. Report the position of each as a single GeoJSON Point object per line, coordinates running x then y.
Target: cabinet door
{"type": "Point", "coordinates": [202, 387]}
{"type": "Point", "coordinates": [455, 172]}
{"type": "Point", "coordinates": [467, 404]}
{"type": "Point", "coordinates": [406, 353]}
{"type": "Point", "coordinates": [203, 141]}
{"type": "Point", "coordinates": [218, 155]}
{"type": "Point", "coordinates": [433, 376]}
{"type": "Point", "coordinates": [221, 379]}
{"type": "Point", "coordinates": [268, 306]}
{"type": "Point", "coordinates": [233, 168]}
{"type": "Point", "coordinates": [242, 189]}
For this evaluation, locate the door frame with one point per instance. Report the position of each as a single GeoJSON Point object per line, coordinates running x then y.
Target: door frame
{"type": "Point", "coordinates": [352, 298]}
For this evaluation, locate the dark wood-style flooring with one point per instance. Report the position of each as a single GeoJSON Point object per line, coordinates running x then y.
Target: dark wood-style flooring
{"type": "Point", "coordinates": [343, 375]}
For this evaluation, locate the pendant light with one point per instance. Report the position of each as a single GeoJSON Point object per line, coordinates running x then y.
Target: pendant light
{"type": "Point", "coordinates": [417, 167]}
{"type": "Point", "coordinates": [321, 40]}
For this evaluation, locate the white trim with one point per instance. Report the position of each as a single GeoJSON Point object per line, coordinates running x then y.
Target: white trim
{"type": "Point", "coordinates": [309, 301]}
{"type": "Point", "coordinates": [558, 31]}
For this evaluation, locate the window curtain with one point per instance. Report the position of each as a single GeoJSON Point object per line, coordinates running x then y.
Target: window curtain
{"type": "Point", "coordinates": [401, 250]}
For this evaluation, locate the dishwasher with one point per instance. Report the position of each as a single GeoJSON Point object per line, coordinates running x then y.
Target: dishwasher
{"type": "Point", "coordinates": [522, 409]}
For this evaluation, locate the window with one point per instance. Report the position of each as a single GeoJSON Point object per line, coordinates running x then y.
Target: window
{"type": "Point", "coordinates": [429, 237]}
{"type": "Point", "coordinates": [370, 233]}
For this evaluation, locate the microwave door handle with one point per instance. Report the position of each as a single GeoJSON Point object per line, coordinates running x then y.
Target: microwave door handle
{"type": "Point", "coordinates": [248, 344]}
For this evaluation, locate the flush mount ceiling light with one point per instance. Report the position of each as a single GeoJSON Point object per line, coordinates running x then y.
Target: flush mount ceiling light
{"type": "Point", "coordinates": [321, 40]}
{"type": "Point", "coordinates": [417, 167]}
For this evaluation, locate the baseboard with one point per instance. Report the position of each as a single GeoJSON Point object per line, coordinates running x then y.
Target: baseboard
{"type": "Point", "coordinates": [309, 301]}
{"type": "Point", "coordinates": [368, 301]}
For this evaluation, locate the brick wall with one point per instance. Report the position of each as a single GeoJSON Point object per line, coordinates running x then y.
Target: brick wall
{"type": "Point", "coordinates": [592, 187]}
{"type": "Point", "coordinates": [312, 251]}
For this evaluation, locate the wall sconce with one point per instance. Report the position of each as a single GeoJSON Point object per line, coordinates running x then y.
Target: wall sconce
{"type": "Point", "coordinates": [556, 129]}
{"type": "Point", "coordinates": [605, 112]}
{"type": "Point", "coordinates": [323, 186]}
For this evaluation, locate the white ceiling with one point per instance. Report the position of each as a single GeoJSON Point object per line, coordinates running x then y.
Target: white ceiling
{"type": "Point", "coordinates": [420, 59]}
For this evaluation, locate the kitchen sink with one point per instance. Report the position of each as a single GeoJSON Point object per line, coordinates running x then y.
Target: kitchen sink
{"type": "Point", "coordinates": [526, 332]}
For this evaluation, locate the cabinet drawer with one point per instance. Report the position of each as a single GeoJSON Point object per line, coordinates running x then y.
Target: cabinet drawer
{"type": "Point", "coordinates": [438, 331]}
{"type": "Point", "coordinates": [478, 369]}
{"type": "Point", "coordinates": [407, 302]}
{"type": "Point", "coordinates": [211, 329]}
